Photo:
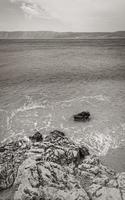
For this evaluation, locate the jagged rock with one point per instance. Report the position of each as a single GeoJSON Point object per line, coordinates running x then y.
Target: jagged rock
{"type": "Point", "coordinates": [82, 117]}
{"type": "Point", "coordinates": [10, 159]}
{"type": "Point", "coordinates": [56, 169]}
{"type": "Point", "coordinates": [47, 181]}
{"type": "Point", "coordinates": [27, 180]}
{"type": "Point", "coordinates": [55, 136]}
{"type": "Point", "coordinates": [59, 149]}
{"type": "Point", "coordinates": [37, 137]}
{"type": "Point", "coordinates": [7, 174]}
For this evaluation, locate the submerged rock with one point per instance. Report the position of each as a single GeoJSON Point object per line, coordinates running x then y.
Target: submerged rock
{"type": "Point", "coordinates": [82, 117]}
{"type": "Point", "coordinates": [56, 168]}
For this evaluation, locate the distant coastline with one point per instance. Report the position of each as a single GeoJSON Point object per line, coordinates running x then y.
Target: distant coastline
{"type": "Point", "coordinates": [60, 35]}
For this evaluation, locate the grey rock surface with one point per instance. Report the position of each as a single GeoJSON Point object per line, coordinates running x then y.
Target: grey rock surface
{"type": "Point", "coordinates": [55, 168]}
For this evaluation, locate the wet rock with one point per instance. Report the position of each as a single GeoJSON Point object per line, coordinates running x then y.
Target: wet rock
{"type": "Point", "coordinates": [57, 133]}
{"type": "Point", "coordinates": [60, 149]}
{"type": "Point", "coordinates": [37, 137]}
{"type": "Point", "coordinates": [61, 155]}
{"type": "Point", "coordinates": [82, 117]}
{"type": "Point", "coordinates": [2, 149]}
{"type": "Point", "coordinates": [83, 151]}
{"type": "Point", "coordinates": [55, 136]}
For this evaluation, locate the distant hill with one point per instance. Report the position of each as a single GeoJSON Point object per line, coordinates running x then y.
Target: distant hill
{"type": "Point", "coordinates": [59, 35]}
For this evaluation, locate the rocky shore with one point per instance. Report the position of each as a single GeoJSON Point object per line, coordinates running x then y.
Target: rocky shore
{"type": "Point", "coordinates": [55, 168]}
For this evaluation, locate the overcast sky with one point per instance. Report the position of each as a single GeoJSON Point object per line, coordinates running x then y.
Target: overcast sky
{"type": "Point", "coordinates": [62, 15]}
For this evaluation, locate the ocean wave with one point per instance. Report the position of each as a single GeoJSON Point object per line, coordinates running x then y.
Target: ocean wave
{"type": "Point", "coordinates": [85, 98]}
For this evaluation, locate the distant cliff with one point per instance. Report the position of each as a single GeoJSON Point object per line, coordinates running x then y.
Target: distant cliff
{"type": "Point", "coordinates": [58, 35]}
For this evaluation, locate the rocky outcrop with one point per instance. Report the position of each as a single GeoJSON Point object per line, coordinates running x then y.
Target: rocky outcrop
{"type": "Point", "coordinates": [82, 117]}
{"type": "Point", "coordinates": [56, 168]}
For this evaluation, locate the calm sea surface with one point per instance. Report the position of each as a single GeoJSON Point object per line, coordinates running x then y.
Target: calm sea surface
{"type": "Point", "coordinates": [44, 82]}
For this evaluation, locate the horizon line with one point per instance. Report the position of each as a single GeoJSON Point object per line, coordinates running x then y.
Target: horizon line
{"type": "Point", "coordinates": [62, 31]}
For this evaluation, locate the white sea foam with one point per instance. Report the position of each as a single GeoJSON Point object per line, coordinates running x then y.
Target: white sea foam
{"type": "Point", "coordinates": [100, 142]}
{"type": "Point", "coordinates": [29, 105]}
{"type": "Point", "coordinates": [96, 141]}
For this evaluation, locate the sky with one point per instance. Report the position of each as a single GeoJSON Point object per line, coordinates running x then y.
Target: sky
{"type": "Point", "coordinates": [62, 15]}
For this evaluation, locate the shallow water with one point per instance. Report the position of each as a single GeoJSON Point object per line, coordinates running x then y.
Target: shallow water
{"type": "Point", "coordinates": [44, 82]}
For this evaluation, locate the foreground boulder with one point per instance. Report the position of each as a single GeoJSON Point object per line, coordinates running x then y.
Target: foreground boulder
{"type": "Point", "coordinates": [56, 168]}
{"type": "Point", "coordinates": [82, 117]}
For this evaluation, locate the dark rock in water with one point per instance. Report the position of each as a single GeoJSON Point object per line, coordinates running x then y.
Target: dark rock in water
{"type": "Point", "coordinates": [37, 137]}
{"type": "Point", "coordinates": [82, 117]}
{"type": "Point", "coordinates": [83, 151]}
{"type": "Point", "coordinates": [56, 168]}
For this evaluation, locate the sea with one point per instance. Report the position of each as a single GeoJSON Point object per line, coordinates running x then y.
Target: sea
{"type": "Point", "coordinates": [43, 83]}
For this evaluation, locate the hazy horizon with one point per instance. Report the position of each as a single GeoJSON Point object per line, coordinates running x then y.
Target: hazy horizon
{"type": "Point", "coordinates": [62, 31]}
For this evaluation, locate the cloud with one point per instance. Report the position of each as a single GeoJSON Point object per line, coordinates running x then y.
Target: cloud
{"type": "Point", "coordinates": [32, 9]}
{"type": "Point", "coordinates": [77, 15]}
